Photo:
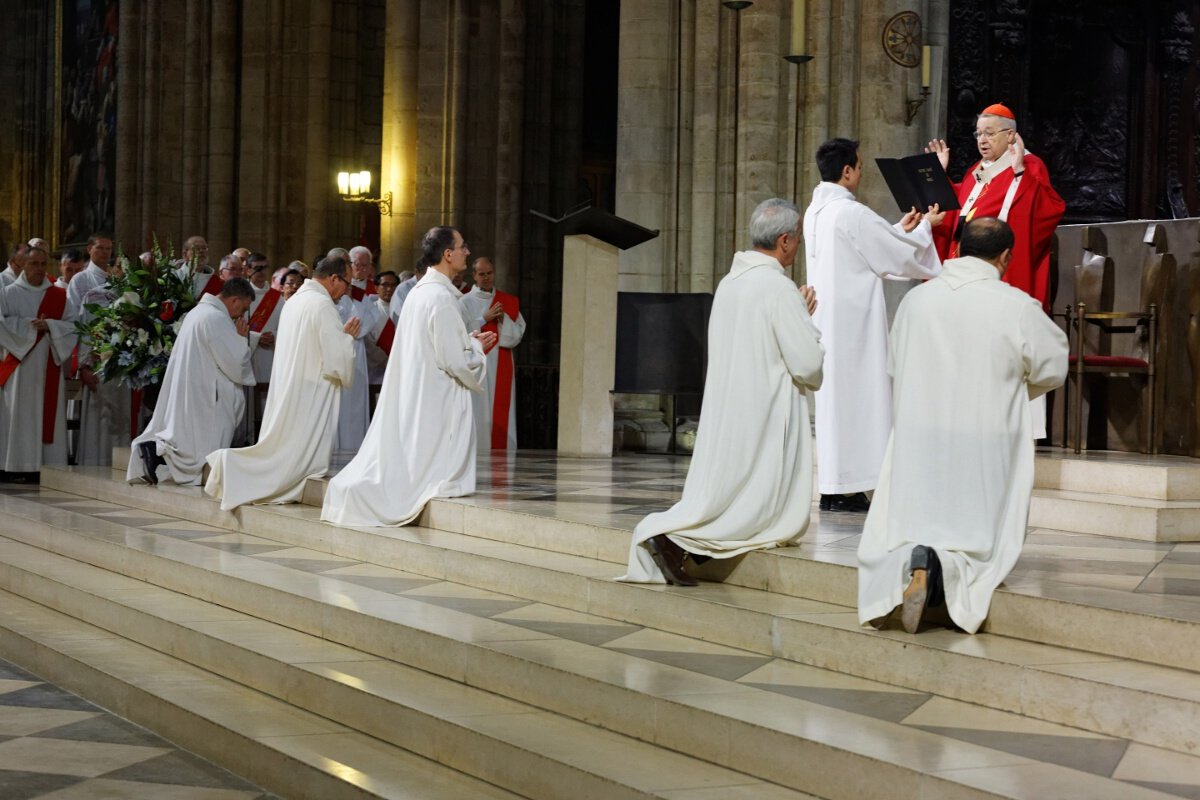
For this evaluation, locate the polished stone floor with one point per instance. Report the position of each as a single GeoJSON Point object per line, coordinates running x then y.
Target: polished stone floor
{"type": "Point", "coordinates": [57, 746]}
{"type": "Point", "coordinates": [618, 493]}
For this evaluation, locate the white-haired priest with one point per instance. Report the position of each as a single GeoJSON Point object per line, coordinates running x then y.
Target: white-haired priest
{"type": "Point", "coordinates": [749, 486]}
{"type": "Point", "coordinates": [202, 397]}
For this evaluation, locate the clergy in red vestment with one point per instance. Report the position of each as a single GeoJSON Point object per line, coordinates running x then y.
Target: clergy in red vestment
{"type": "Point", "coordinates": [1013, 185]}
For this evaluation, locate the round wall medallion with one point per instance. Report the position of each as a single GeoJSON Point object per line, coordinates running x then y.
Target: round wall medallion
{"type": "Point", "coordinates": [902, 38]}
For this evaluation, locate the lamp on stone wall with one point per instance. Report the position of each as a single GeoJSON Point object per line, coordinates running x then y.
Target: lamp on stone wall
{"type": "Point", "coordinates": [354, 187]}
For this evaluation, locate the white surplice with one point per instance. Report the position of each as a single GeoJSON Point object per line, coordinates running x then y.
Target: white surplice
{"type": "Point", "coordinates": [968, 353]}
{"type": "Point", "coordinates": [355, 412]}
{"type": "Point", "coordinates": [202, 399]}
{"type": "Point", "coordinates": [262, 357]}
{"type": "Point", "coordinates": [749, 486]}
{"type": "Point", "coordinates": [104, 411]}
{"type": "Point", "coordinates": [376, 358]}
{"type": "Point", "coordinates": [849, 249]}
{"type": "Point", "coordinates": [476, 302]}
{"type": "Point", "coordinates": [8, 276]}
{"type": "Point", "coordinates": [422, 440]}
{"type": "Point", "coordinates": [314, 359]}
{"type": "Point", "coordinates": [23, 396]}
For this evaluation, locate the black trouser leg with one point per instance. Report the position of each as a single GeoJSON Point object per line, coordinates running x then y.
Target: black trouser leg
{"type": "Point", "coordinates": [926, 558]}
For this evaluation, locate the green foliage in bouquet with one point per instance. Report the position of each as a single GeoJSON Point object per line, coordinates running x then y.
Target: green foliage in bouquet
{"type": "Point", "coordinates": [132, 334]}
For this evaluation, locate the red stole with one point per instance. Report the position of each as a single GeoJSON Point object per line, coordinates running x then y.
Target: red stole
{"type": "Point", "coordinates": [214, 285]}
{"type": "Point", "coordinates": [504, 372]}
{"type": "Point", "coordinates": [54, 302]}
{"type": "Point", "coordinates": [387, 336]}
{"type": "Point", "coordinates": [266, 307]}
{"type": "Point", "coordinates": [358, 294]}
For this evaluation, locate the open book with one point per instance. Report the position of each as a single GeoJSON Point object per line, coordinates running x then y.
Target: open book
{"type": "Point", "coordinates": [918, 182]}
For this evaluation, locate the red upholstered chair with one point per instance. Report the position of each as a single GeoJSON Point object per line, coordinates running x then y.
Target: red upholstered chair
{"type": "Point", "coordinates": [1112, 322]}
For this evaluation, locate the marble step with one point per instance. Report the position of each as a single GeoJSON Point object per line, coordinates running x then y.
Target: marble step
{"type": "Point", "coordinates": [280, 747]}
{"type": "Point", "coordinates": [513, 745]}
{"type": "Point", "coordinates": [1140, 518]}
{"type": "Point", "coordinates": [811, 747]}
{"type": "Point", "coordinates": [1102, 494]}
{"type": "Point", "coordinates": [1093, 619]}
{"type": "Point", "coordinates": [1119, 474]}
{"type": "Point", "coordinates": [1148, 703]}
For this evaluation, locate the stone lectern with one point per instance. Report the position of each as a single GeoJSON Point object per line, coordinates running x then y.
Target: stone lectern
{"type": "Point", "coordinates": [587, 362]}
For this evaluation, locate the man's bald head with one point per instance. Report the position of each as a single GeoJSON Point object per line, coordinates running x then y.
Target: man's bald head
{"type": "Point", "coordinates": [988, 238]}
{"type": "Point", "coordinates": [484, 272]}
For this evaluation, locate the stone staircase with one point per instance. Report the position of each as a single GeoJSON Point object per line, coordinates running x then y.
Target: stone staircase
{"type": "Point", "coordinates": [488, 653]}
{"type": "Point", "coordinates": [1123, 495]}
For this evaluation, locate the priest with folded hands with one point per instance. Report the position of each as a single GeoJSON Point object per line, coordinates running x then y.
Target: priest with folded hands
{"type": "Point", "coordinates": [202, 397]}
{"type": "Point", "coordinates": [37, 335]}
{"type": "Point", "coordinates": [314, 361]}
{"type": "Point", "coordinates": [421, 443]}
{"type": "Point", "coordinates": [750, 483]}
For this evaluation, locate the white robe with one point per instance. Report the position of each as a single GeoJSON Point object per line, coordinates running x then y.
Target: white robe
{"type": "Point", "coordinates": [399, 296]}
{"type": "Point", "coordinates": [22, 397]}
{"type": "Point", "coordinates": [749, 486]}
{"type": "Point", "coordinates": [314, 359]}
{"type": "Point", "coordinates": [104, 412]}
{"type": "Point", "coordinates": [202, 399]}
{"type": "Point", "coordinates": [376, 358]}
{"type": "Point", "coordinates": [968, 352]}
{"type": "Point", "coordinates": [8, 276]}
{"type": "Point", "coordinates": [355, 413]}
{"type": "Point", "coordinates": [475, 303]}
{"type": "Point", "coordinates": [849, 249]}
{"type": "Point", "coordinates": [422, 440]}
{"type": "Point", "coordinates": [262, 357]}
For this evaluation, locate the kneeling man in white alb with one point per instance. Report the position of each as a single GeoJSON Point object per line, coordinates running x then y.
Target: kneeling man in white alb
{"type": "Point", "coordinates": [949, 516]}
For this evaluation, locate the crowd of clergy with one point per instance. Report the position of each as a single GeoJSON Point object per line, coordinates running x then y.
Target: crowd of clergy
{"type": "Point", "coordinates": [927, 425]}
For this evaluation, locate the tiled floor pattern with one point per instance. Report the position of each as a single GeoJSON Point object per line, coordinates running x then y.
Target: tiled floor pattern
{"type": "Point", "coordinates": [1004, 732]}
{"type": "Point", "coordinates": [618, 493]}
{"type": "Point", "coordinates": [56, 746]}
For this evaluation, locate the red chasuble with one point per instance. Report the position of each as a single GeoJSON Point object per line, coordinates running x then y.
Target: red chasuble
{"type": "Point", "coordinates": [54, 302]}
{"type": "Point", "coordinates": [1033, 216]}
{"type": "Point", "coordinates": [504, 372]}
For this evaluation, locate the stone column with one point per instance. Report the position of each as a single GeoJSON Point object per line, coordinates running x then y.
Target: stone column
{"type": "Point", "coordinates": [646, 141]}
{"type": "Point", "coordinates": [318, 178]}
{"type": "Point", "coordinates": [398, 173]}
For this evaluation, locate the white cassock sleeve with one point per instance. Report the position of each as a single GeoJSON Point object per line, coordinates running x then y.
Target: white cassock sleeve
{"type": "Point", "coordinates": [455, 353]}
{"type": "Point", "coordinates": [230, 352]}
{"type": "Point", "coordinates": [337, 352]}
{"type": "Point", "coordinates": [1044, 351]}
{"type": "Point", "coordinates": [17, 336]}
{"type": "Point", "coordinates": [63, 336]}
{"type": "Point", "coordinates": [511, 331]}
{"type": "Point", "coordinates": [890, 252]}
{"type": "Point", "coordinates": [799, 341]}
